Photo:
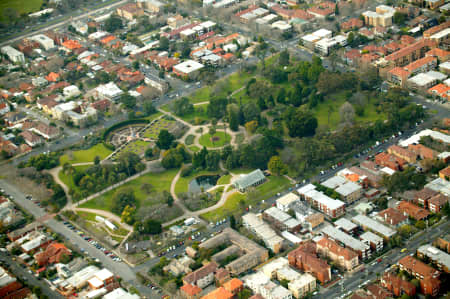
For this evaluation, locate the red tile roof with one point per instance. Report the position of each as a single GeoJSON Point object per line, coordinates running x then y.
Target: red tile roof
{"type": "Point", "coordinates": [233, 285]}
{"type": "Point", "coordinates": [419, 63]}
{"type": "Point", "coordinates": [412, 210]}
{"type": "Point", "coordinates": [71, 44]}
{"type": "Point", "coordinates": [399, 72]}
{"type": "Point", "coordinates": [219, 293]}
{"type": "Point", "coordinates": [191, 290]}
{"type": "Point", "coordinates": [437, 52]}
{"type": "Point", "coordinates": [414, 265]}
{"type": "Point", "coordinates": [392, 216]}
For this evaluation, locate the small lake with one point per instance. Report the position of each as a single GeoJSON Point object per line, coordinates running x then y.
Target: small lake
{"type": "Point", "coordinates": [203, 182]}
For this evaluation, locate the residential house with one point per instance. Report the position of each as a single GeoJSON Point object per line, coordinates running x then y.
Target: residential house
{"type": "Point", "coordinates": [377, 292]}
{"type": "Point", "coordinates": [4, 108]}
{"type": "Point", "coordinates": [411, 210]}
{"type": "Point", "coordinates": [392, 217]}
{"type": "Point", "coordinates": [389, 160]}
{"type": "Point", "coordinates": [130, 11]}
{"type": "Point", "coordinates": [352, 24]}
{"type": "Point", "coordinates": [52, 254]}
{"type": "Point", "coordinates": [10, 288]}
{"type": "Point", "coordinates": [31, 139]}
{"type": "Point", "coordinates": [189, 291]}
{"type": "Point", "coordinates": [153, 6]}
{"type": "Point", "coordinates": [440, 91]}
{"type": "Point", "coordinates": [422, 197]}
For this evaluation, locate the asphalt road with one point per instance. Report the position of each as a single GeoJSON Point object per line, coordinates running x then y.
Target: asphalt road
{"type": "Point", "coordinates": [28, 278]}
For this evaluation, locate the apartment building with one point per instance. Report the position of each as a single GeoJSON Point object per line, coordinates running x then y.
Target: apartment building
{"type": "Point", "coordinates": [362, 249]}
{"type": "Point", "coordinates": [410, 209]}
{"type": "Point", "coordinates": [422, 65]}
{"type": "Point", "coordinates": [263, 231]}
{"type": "Point", "coordinates": [253, 254]}
{"type": "Point", "coordinates": [283, 203]}
{"type": "Point", "coordinates": [428, 277]}
{"type": "Point", "coordinates": [383, 16]}
{"type": "Point", "coordinates": [281, 220]}
{"type": "Point", "coordinates": [343, 257]}
{"type": "Point", "coordinates": [368, 223]}
{"type": "Point", "coordinates": [397, 285]}
{"type": "Point", "coordinates": [438, 257]}
{"type": "Point", "coordinates": [410, 53]}
{"type": "Point", "coordinates": [201, 277]}
{"type": "Point", "coordinates": [402, 153]}
{"type": "Point", "coordinates": [305, 259]}
{"type": "Point", "coordinates": [437, 202]}
{"type": "Point", "coordinates": [331, 207]}
{"type": "Point", "coordinates": [374, 241]}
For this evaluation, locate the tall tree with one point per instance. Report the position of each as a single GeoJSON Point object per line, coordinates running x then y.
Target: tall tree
{"type": "Point", "coordinates": [165, 139]}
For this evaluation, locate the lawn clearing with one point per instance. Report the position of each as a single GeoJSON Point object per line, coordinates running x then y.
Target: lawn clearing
{"type": "Point", "coordinates": [194, 148]}
{"type": "Point", "coordinates": [82, 156]}
{"type": "Point", "coordinates": [158, 181]}
{"type": "Point", "coordinates": [20, 7]}
{"type": "Point", "coordinates": [224, 180]}
{"type": "Point", "coordinates": [335, 102]}
{"type": "Point", "coordinates": [198, 116]}
{"type": "Point", "coordinates": [237, 202]}
{"type": "Point", "coordinates": [219, 139]}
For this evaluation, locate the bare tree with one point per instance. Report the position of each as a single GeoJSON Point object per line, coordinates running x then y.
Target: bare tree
{"type": "Point", "coordinates": [347, 113]}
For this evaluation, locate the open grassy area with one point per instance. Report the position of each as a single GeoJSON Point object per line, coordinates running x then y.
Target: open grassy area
{"type": "Point", "coordinates": [336, 101]}
{"type": "Point", "coordinates": [238, 201]}
{"type": "Point", "coordinates": [194, 148]}
{"type": "Point", "coordinates": [88, 155]}
{"type": "Point", "coordinates": [158, 181]}
{"type": "Point", "coordinates": [220, 139]}
{"type": "Point", "coordinates": [224, 180]}
{"type": "Point", "coordinates": [27, 6]}
{"type": "Point", "coordinates": [198, 116]}
{"type": "Point", "coordinates": [67, 179]}
{"type": "Point", "coordinates": [189, 140]}
{"type": "Point", "coordinates": [182, 184]}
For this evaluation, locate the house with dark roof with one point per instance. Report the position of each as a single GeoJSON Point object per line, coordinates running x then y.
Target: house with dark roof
{"type": "Point", "coordinates": [31, 139]}
{"type": "Point", "coordinates": [202, 277]}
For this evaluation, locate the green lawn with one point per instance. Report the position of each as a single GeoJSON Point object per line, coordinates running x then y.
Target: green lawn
{"type": "Point", "coordinates": [224, 180]}
{"type": "Point", "coordinates": [233, 204]}
{"type": "Point", "coordinates": [182, 184]}
{"type": "Point", "coordinates": [189, 140]}
{"type": "Point", "coordinates": [222, 139]}
{"type": "Point", "coordinates": [336, 101]}
{"type": "Point", "coordinates": [67, 178]}
{"type": "Point", "coordinates": [91, 217]}
{"type": "Point", "coordinates": [158, 181]}
{"type": "Point", "coordinates": [25, 6]}
{"type": "Point", "coordinates": [153, 116]}
{"type": "Point", "coordinates": [198, 116]}
{"type": "Point", "coordinates": [88, 155]}
{"type": "Point", "coordinates": [194, 148]}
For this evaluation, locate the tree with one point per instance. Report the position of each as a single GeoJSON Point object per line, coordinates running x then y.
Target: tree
{"type": "Point", "coordinates": [113, 23]}
{"type": "Point", "coordinates": [336, 9]}
{"type": "Point", "coordinates": [276, 166]}
{"type": "Point", "coordinates": [122, 198]}
{"type": "Point", "coordinates": [182, 107]}
{"type": "Point", "coordinates": [96, 160]}
{"type": "Point", "coordinates": [164, 43]}
{"type": "Point", "coordinates": [150, 226]}
{"type": "Point", "coordinates": [165, 139]}
{"type": "Point", "coordinates": [300, 122]}
{"type": "Point", "coordinates": [135, 64]}
{"type": "Point", "coordinates": [233, 120]}
{"type": "Point", "coordinates": [128, 100]}
{"type": "Point", "coordinates": [232, 222]}
{"type": "Point", "coordinates": [283, 60]}
{"type": "Point", "coordinates": [399, 18]}
{"type": "Point", "coordinates": [347, 113]}
{"type": "Point", "coordinates": [251, 126]}
{"type": "Point", "coordinates": [148, 107]}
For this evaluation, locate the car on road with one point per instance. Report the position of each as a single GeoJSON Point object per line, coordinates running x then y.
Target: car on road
{"type": "Point", "coordinates": [403, 250]}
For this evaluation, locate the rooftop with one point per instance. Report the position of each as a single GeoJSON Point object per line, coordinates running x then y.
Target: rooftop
{"type": "Point", "coordinates": [344, 238]}
{"type": "Point", "coordinates": [374, 225]}
{"type": "Point", "coordinates": [435, 254]}
{"type": "Point", "coordinates": [345, 224]}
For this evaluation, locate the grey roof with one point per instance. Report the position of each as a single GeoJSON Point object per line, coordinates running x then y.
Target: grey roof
{"type": "Point", "coordinates": [435, 254]}
{"type": "Point", "coordinates": [371, 237]}
{"type": "Point", "coordinates": [334, 182]}
{"type": "Point", "coordinates": [374, 225]}
{"type": "Point", "coordinates": [250, 179]}
{"type": "Point", "coordinates": [277, 214]}
{"type": "Point", "coordinates": [347, 240]}
{"type": "Point", "coordinates": [345, 224]}
{"type": "Point", "coordinates": [348, 188]}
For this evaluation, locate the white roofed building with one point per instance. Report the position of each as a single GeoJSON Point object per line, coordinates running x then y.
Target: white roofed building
{"type": "Point", "coordinates": [120, 294]}
{"type": "Point", "coordinates": [285, 201]}
{"type": "Point", "coordinates": [189, 69]}
{"type": "Point", "coordinates": [43, 40]}
{"type": "Point", "coordinates": [13, 54]}
{"type": "Point", "coordinates": [108, 91]}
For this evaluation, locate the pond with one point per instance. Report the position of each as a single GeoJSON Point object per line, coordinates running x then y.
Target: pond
{"type": "Point", "coordinates": [203, 183]}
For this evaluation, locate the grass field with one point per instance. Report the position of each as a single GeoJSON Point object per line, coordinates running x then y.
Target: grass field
{"type": "Point", "coordinates": [224, 180]}
{"type": "Point", "coordinates": [198, 116]}
{"type": "Point", "coordinates": [336, 101]}
{"type": "Point", "coordinates": [88, 155]}
{"type": "Point", "coordinates": [238, 201]}
{"type": "Point", "coordinates": [159, 182]}
{"type": "Point", "coordinates": [194, 148]}
{"type": "Point", "coordinates": [182, 184]}
{"type": "Point", "coordinates": [27, 6]}
{"type": "Point", "coordinates": [67, 178]}
{"type": "Point", "coordinates": [223, 138]}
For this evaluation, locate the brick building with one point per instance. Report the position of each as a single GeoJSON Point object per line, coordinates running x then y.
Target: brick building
{"type": "Point", "coordinates": [397, 285]}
